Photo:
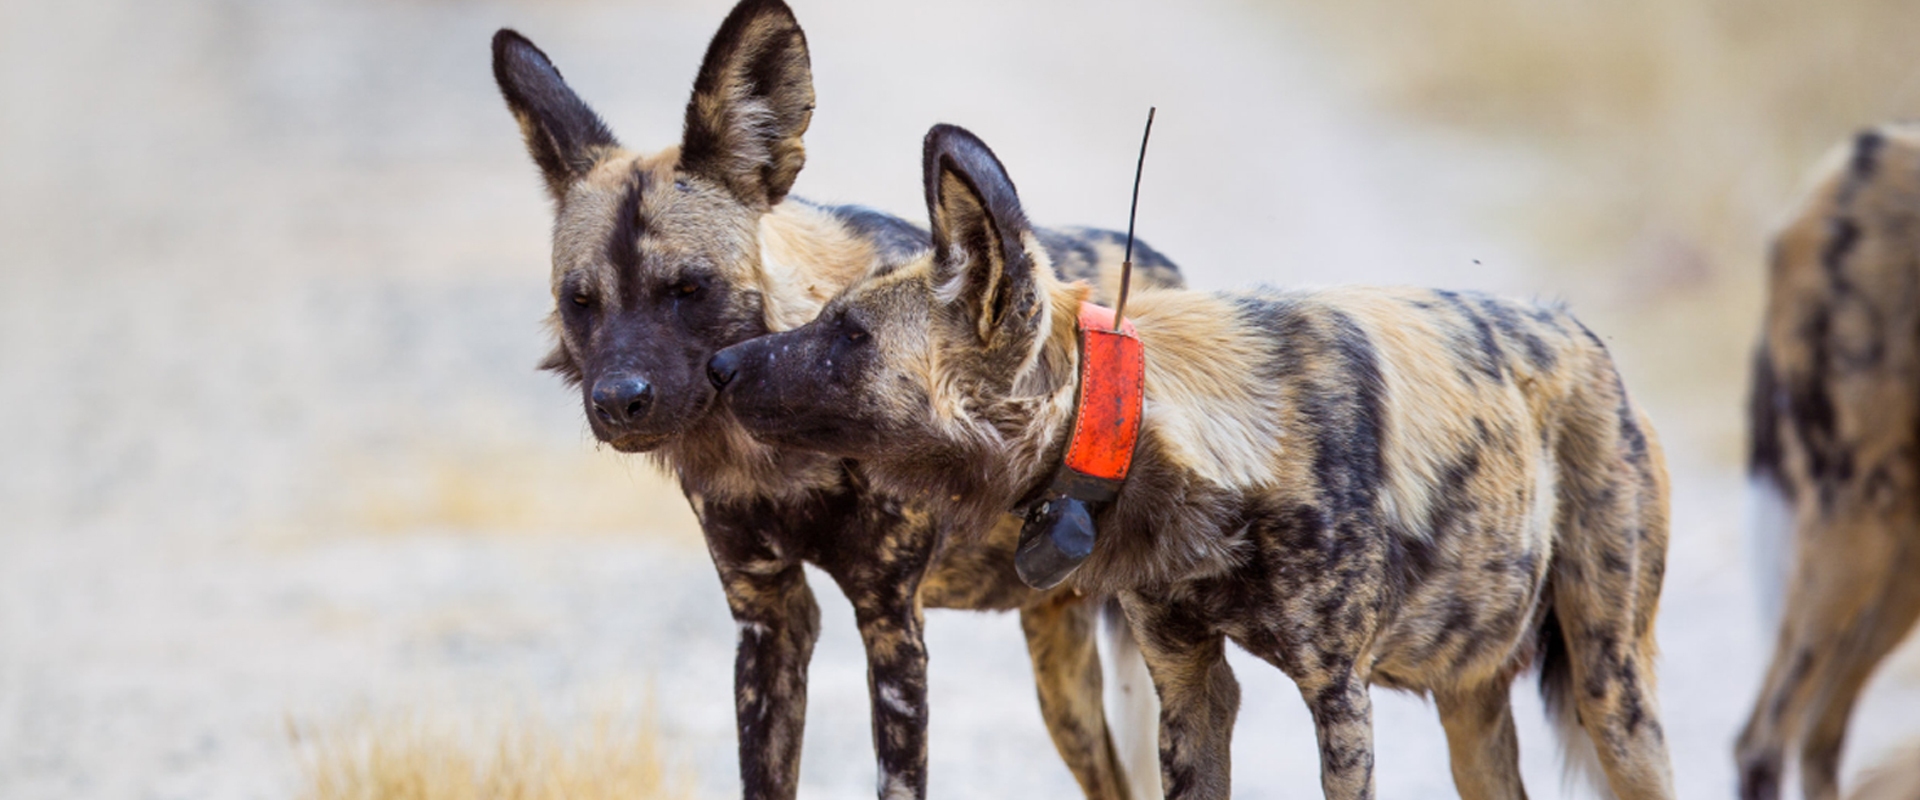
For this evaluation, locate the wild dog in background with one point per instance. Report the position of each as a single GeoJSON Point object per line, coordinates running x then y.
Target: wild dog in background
{"type": "Point", "coordinates": [661, 259]}
{"type": "Point", "coordinates": [1419, 489]}
{"type": "Point", "coordinates": [1835, 449]}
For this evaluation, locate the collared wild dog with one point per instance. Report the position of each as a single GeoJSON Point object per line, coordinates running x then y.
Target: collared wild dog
{"type": "Point", "coordinates": [1420, 489]}
{"type": "Point", "coordinates": [661, 259]}
{"type": "Point", "coordinates": [1835, 449]}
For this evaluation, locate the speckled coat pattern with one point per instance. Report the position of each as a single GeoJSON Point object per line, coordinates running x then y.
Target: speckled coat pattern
{"type": "Point", "coordinates": [660, 259]}
{"type": "Point", "coordinates": [1424, 490]}
{"type": "Point", "coordinates": [1835, 451]}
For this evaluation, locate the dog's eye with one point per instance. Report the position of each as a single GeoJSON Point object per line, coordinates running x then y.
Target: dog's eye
{"type": "Point", "coordinates": [856, 335]}
{"type": "Point", "coordinates": [582, 299]}
{"type": "Point", "coordinates": [684, 289]}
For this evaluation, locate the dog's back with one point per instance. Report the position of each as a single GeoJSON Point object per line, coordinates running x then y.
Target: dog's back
{"type": "Point", "coordinates": [1483, 481]}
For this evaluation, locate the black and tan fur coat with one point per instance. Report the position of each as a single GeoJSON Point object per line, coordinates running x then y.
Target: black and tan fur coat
{"type": "Point", "coordinates": [1424, 490]}
{"type": "Point", "coordinates": [659, 260]}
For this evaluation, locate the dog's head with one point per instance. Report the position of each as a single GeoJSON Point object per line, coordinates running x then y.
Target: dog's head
{"type": "Point", "coordinates": [656, 258]}
{"type": "Point", "coordinates": [919, 368]}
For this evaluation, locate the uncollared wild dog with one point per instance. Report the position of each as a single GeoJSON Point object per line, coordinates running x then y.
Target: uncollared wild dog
{"type": "Point", "coordinates": [1420, 489]}
{"type": "Point", "coordinates": [661, 259]}
{"type": "Point", "coordinates": [1835, 451]}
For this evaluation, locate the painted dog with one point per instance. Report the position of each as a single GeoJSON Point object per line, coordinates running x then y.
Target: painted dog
{"type": "Point", "coordinates": [1425, 490]}
{"type": "Point", "coordinates": [661, 259]}
{"type": "Point", "coordinates": [1835, 451]}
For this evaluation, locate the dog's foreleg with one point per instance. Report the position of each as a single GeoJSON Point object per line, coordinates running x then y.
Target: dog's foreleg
{"type": "Point", "coordinates": [778, 624]}
{"type": "Point", "coordinates": [897, 682]}
{"type": "Point", "coordinates": [884, 587]}
{"type": "Point", "coordinates": [1198, 695]}
{"type": "Point", "coordinates": [1061, 638]}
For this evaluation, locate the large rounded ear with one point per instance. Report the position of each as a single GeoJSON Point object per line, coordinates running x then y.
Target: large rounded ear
{"type": "Point", "coordinates": [564, 136]}
{"type": "Point", "coordinates": [979, 236]}
{"type": "Point", "coordinates": [751, 104]}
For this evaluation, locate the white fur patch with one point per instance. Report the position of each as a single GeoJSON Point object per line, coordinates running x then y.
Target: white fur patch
{"type": "Point", "coordinates": [1214, 436]}
{"type": "Point", "coordinates": [1546, 504]}
{"type": "Point", "coordinates": [890, 695]}
{"type": "Point", "coordinates": [1770, 527]}
{"type": "Point", "coordinates": [894, 787]}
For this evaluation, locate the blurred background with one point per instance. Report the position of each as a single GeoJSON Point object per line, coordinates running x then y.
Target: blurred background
{"type": "Point", "coordinates": [282, 494]}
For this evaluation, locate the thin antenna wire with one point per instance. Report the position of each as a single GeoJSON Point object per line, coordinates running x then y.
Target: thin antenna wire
{"type": "Point", "coordinates": [1126, 265]}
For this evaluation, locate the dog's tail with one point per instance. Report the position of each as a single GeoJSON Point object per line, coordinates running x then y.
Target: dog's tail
{"type": "Point", "coordinates": [1133, 710]}
{"type": "Point", "coordinates": [1582, 761]}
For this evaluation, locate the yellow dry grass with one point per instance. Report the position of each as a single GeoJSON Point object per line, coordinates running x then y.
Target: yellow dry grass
{"type": "Point", "coordinates": [419, 757]}
{"type": "Point", "coordinates": [500, 489]}
{"type": "Point", "coordinates": [1674, 135]}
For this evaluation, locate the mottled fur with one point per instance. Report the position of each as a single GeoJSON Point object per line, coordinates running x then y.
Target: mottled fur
{"type": "Point", "coordinates": [1835, 441]}
{"type": "Point", "coordinates": [661, 259]}
{"type": "Point", "coordinates": [1425, 490]}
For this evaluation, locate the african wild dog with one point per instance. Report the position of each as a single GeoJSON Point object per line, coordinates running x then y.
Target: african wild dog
{"type": "Point", "coordinates": [1835, 447]}
{"type": "Point", "coordinates": [661, 259]}
{"type": "Point", "coordinates": [1420, 489]}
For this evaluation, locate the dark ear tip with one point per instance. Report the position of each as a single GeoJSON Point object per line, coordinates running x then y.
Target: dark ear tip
{"type": "Point", "coordinates": [749, 12]}
{"type": "Point", "coordinates": [946, 138]}
{"type": "Point", "coordinates": [935, 153]}
{"type": "Point", "coordinates": [507, 39]}
{"type": "Point", "coordinates": [756, 8]}
{"type": "Point", "coordinates": [513, 53]}
{"type": "Point", "coordinates": [952, 148]}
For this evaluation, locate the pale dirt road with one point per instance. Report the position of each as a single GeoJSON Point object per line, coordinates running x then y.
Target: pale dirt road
{"type": "Point", "coordinates": [270, 300]}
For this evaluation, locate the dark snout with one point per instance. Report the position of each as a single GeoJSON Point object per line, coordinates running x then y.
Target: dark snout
{"type": "Point", "coordinates": [723, 366]}
{"type": "Point", "coordinates": [622, 399]}
{"type": "Point", "coordinates": [783, 389]}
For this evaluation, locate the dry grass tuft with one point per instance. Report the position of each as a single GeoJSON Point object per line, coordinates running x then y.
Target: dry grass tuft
{"type": "Point", "coordinates": [501, 490]}
{"type": "Point", "coordinates": [1676, 134]}
{"type": "Point", "coordinates": [420, 758]}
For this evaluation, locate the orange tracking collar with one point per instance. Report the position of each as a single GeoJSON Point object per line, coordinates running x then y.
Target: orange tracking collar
{"type": "Point", "coordinates": [1106, 408]}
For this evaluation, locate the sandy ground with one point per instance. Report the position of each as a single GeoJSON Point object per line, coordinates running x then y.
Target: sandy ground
{"type": "Point", "coordinates": [275, 450]}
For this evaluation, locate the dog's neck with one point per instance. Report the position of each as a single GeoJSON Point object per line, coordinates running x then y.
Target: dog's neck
{"type": "Point", "coordinates": [1021, 437]}
{"type": "Point", "coordinates": [806, 257]}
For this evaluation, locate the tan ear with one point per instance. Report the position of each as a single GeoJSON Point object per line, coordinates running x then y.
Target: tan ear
{"type": "Point", "coordinates": [979, 235]}
{"type": "Point", "coordinates": [563, 135]}
{"type": "Point", "coordinates": [751, 104]}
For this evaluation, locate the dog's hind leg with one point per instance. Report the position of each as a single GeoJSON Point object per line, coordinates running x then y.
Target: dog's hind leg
{"type": "Point", "coordinates": [1481, 741]}
{"type": "Point", "coordinates": [1198, 695]}
{"type": "Point", "coordinates": [1061, 637]}
{"type": "Point", "coordinates": [1343, 721]}
{"type": "Point", "coordinates": [1608, 563]}
{"type": "Point", "coordinates": [1868, 643]}
{"type": "Point", "coordinates": [1850, 602]}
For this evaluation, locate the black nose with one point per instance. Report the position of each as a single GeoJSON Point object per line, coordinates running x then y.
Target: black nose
{"type": "Point", "coordinates": [722, 367]}
{"type": "Point", "coordinates": [621, 399]}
